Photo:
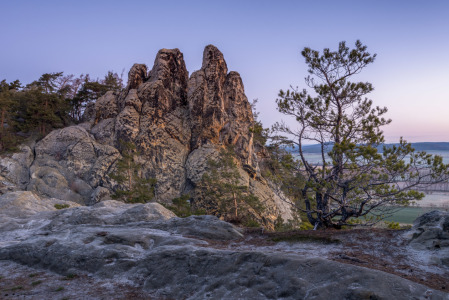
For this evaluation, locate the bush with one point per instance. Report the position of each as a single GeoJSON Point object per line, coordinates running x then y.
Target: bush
{"type": "Point", "coordinates": [393, 225]}
{"type": "Point", "coordinates": [61, 206]}
{"type": "Point", "coordinates": [306, 225]}
{"type": "Point", "coordinates": [182, 207]}
{"type": "Point", "coordinates": [280, 225]}
{"type": "Point", "coordinates": [251, 223]}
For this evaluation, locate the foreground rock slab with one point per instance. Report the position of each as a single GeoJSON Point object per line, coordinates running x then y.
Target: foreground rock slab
{"type": "Point", "coordinates": [147, 248]}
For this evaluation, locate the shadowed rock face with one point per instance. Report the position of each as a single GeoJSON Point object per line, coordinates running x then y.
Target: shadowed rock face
{"type": "Point", "coordinates": [176, 122]}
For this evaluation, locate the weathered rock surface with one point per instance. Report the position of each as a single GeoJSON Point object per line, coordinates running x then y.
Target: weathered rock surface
{"type": "Point", "coordinates": [20, 211]}
{"type": "Point", "coordinates": [167, 257]}
{"type": "Point", "coordinates": [219, 108]}
{"type": "Point", "coordinates": [70, 164]}
{"type": "Point", "coordinates": [14, 170]}
{"type": "Point", "coordinates": [23, 204]}
{"type": "Point", "coordinates": [106, 106]}
{"type": "Point", "coordinates": [431, 232]}
{"type": "Point", "coordinates": [177, 123]}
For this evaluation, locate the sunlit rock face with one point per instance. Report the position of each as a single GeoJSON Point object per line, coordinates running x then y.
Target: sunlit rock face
{"type": "Point", "coordinates": [154, 116]}
{"type": "Point", "coordinates": [220, 111]}
{"type": "Point", "coordinates": [176, 123]}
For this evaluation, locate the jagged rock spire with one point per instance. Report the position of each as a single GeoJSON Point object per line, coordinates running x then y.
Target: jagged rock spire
{"type": "Point", "coordinates": [136, 76]}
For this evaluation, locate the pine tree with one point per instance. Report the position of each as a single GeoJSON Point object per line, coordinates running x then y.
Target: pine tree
{"type": "Point", "coordinates": [222, 186]}
{"type": "Point", "coordinates": [41, 105]}
{"type": "Point", "coordinates": [134, 186]}
{"type": "Point", "coordinates": [8, 138]}
{"type": "Point", "coordinates": [353, 180]}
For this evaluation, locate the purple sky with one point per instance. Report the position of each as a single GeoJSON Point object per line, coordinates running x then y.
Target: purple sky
{"type": "Point", "coordinates": [261, 40]}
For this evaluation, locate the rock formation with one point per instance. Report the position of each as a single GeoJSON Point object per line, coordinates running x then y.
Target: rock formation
{"type": "Point", "coordinates": [166, 257]}
{"type": "Point", "coordinates": [177, 123]}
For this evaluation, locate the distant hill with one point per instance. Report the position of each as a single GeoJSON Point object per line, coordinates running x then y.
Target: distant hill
{"type": "Point", "coordinates": [428, 146]}
{"type": "Point", "coordinates": [423, 146]}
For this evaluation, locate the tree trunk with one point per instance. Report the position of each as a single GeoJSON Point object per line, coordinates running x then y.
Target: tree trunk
{"type": "Point", "coordinates": [129, 176]}
{"type": "Point", "coordinates": [3, 119]}
{"type": "Point", "coordinates": [235, 204]}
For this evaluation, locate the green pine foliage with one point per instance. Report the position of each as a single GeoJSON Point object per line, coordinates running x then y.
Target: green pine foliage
{"type": "Point", "coordinates": [53, 101]}
{"type": "Point", "coordinates": [353, 179]}
{"type": "Point", "coordinates": [134, 186]}
{"type": "Point", "coordinates": [280, 167]}
{"type": "Point", "coordinates": [182, 207]}
{"type": "Point", "coordinates": [222, 185]}
{"type": "Point", "coordinates": [86, 90]}
{"type": "Point", "coordinates": [8, 107]}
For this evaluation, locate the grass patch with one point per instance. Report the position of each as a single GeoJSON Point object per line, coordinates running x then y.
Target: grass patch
{"type": "Point", "coordinates": [407, 215]}
{"type": "Point", "coordinates": [61, 206]}
{"type": "Point", "coordinates": [19, 287]}
{"type": "Point", "coordinates": [34, 283]}
{"type": "Point", "coordinates": [33, 275]}
{"type": "Point", "coordinates": [70, 276]}
{"type": "Point", "coordinates": [61, 288]}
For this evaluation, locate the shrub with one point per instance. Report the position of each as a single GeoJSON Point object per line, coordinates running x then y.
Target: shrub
{"type": "Point", "coordinates": [306, 225]}
{"type": "Point", "coordinates": [251, 223]}
{"type": "Point", "coordinates": [393, 225]}
{"type": "Point", "coordinates": [61, 206]}
{"type": "Point", "coordinates": [182, 207]}
{"type": "Point", "coordinates": [36, 282]}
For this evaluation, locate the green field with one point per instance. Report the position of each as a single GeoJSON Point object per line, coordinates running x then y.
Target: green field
{"type": "Point", "coordinates": [408, 214]}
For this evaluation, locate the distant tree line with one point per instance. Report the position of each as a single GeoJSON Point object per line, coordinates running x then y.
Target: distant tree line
{"type": "Point", "coordinates": [53, 101]}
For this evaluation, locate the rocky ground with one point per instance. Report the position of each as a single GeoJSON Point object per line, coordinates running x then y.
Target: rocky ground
{"type": "Point", "coordinates": [380, 249]}
{"type": "Point", "coordinates": [142, 251]}
{"type": "Point", "coordinates": [22, 282]}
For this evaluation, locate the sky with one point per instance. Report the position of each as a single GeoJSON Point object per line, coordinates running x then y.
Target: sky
{"type": "Point", "coordinates": [261, 40]}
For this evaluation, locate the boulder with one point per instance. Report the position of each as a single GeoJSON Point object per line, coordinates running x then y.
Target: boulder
{"type": "Point", "coordinates": [106, 106]}
{"type": "Point", "coordinates": [70, 164]}
{"type": "Point", "coordinates": [14, 170]}
{"type": "Point", "coordinates": [430, 231]}
{"type": "Point", "coordinates": [430, 235]}
{"type": "Point", "coordinates": [104, 131]}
